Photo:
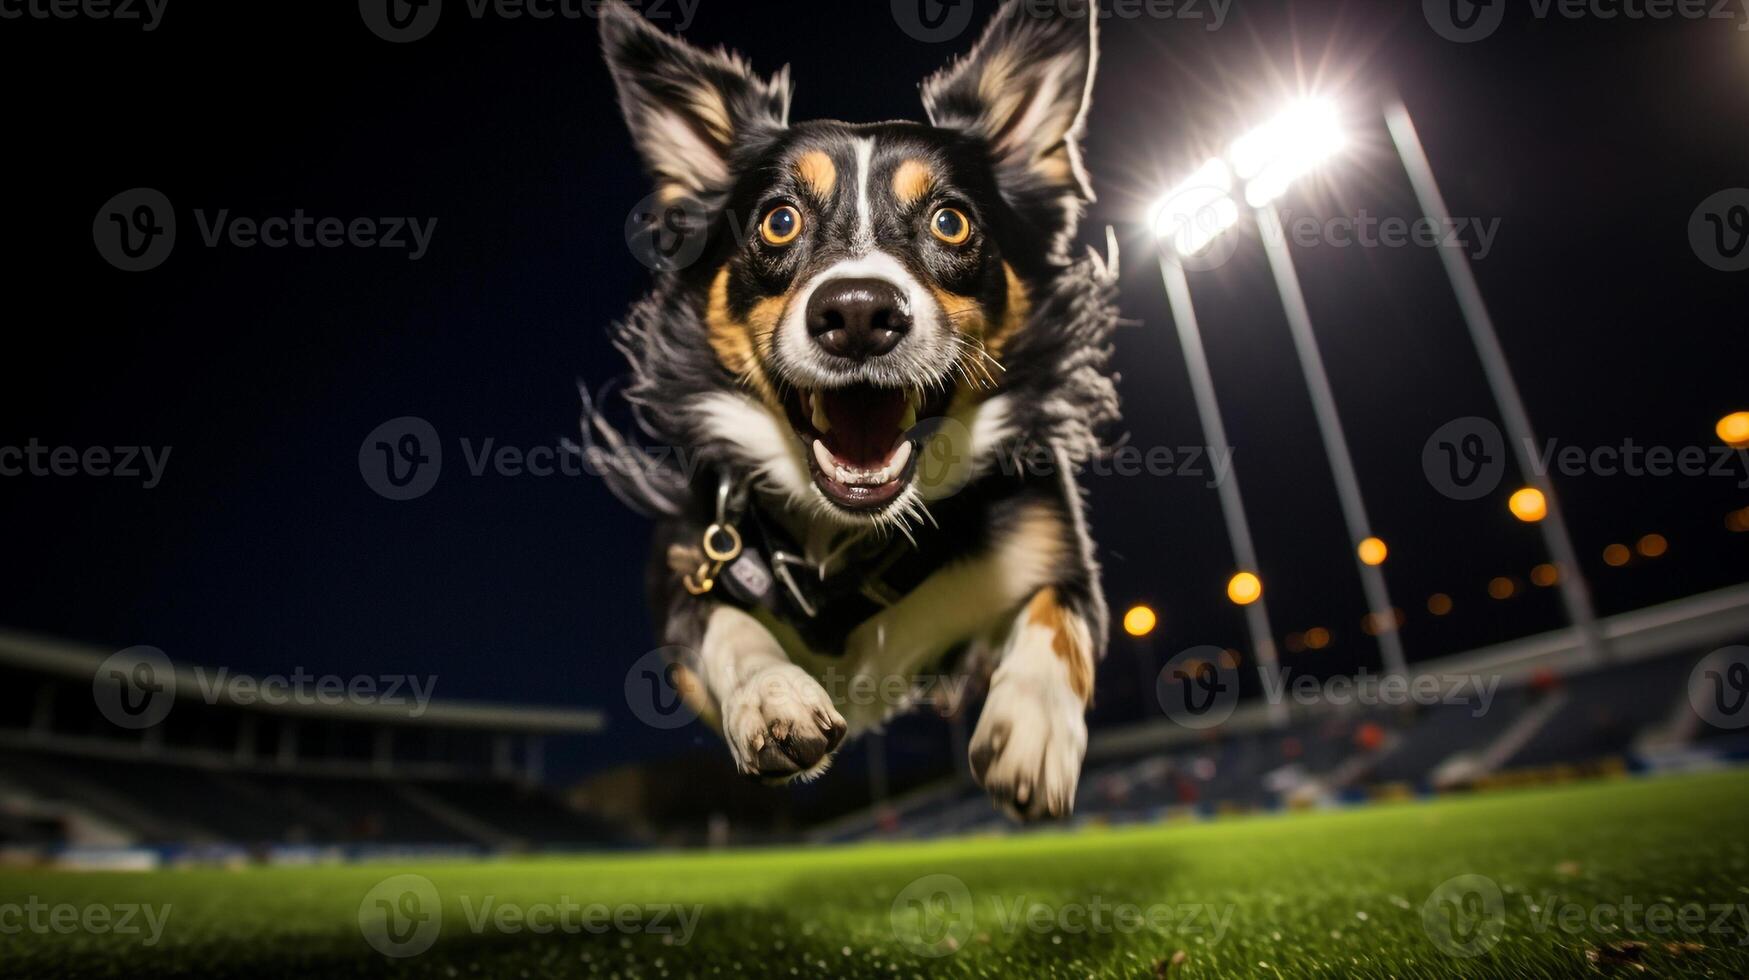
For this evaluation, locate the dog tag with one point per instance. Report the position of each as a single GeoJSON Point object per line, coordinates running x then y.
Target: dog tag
{"type": "Point", "coordinates": [748, 579]}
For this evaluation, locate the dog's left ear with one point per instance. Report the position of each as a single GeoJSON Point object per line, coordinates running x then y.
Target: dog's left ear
{"type": "Point", "coordinates": [688, 110]}
{"type": "Point", "coordinates": [1024, 91]}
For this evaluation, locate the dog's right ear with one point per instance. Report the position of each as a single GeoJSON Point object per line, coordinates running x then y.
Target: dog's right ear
{"type": "Point", "coordinates": [688, 109]}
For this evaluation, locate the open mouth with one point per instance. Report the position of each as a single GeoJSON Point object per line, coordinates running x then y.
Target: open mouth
{"type": "Point", "coordinates": [862, 439]}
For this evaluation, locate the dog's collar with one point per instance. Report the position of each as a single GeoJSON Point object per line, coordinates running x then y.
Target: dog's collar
{"type": "Point", "coordinates": [752, 562]}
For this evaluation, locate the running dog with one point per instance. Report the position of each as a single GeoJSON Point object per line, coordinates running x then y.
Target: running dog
{"type": "Point", "coordinates": [886, 358]}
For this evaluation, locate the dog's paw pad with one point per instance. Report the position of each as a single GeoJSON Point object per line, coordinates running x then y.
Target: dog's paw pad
{"type": "Point", "coordinates": [781, 724]}
{"type": "Point", "coordinates": [1028, 747]}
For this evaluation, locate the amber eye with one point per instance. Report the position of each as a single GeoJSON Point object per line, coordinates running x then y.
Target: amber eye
{"type": "Point", "coordinates": [951, 226]}
{"type": "Point", "coordinates": [781, 225]}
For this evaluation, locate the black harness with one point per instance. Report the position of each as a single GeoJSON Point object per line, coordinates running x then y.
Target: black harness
{"type": "Point", "coordinates": [753, 563]}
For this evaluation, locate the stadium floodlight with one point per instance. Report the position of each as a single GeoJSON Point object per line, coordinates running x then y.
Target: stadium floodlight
{"type": "Point", "coordinates": [1195, 213]}
{"type": "Point", "coordinates": [1575, 592]}
{"type": "Point", "coordinates": [1274, 155]}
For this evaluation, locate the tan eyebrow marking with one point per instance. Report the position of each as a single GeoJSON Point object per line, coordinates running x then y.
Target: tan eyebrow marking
{"type": "Point", "coordinates": [817, 171]}
{"type": "Point", "coordinates": [911, 180]}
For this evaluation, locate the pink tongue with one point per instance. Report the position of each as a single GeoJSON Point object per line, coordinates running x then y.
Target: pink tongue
{"type": "Point", "coordinates": [865, 423]}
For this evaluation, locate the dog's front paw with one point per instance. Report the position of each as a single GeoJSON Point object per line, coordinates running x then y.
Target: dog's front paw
{"type": "Point", "coordinates": [1028, 747]}
{"type": "Point", "coordinates": [780, 724]}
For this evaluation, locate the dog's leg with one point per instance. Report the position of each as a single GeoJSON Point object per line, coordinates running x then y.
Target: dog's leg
{"type": "Point", "coordinates": [1031, 737]}
{"type": "Point", "coordinates": [779, 723]}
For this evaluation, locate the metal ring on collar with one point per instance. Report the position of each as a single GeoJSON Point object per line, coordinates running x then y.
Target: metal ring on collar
{"type": "Point", "coordinates": [715, 553]}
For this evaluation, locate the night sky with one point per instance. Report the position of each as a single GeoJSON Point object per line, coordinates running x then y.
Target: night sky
{"type": "Point", "coordinates": [1591, 142]}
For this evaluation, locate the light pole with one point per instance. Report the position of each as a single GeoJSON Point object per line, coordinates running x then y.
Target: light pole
{"type": "Point", "coordinates": [1575, 594]}
{"type": "Point", "coordinates": [1188, 220]}
{"type": "Point", "coordinates": [1299, 321]}
{"type": "Point", "coordinates": [1268, 160]}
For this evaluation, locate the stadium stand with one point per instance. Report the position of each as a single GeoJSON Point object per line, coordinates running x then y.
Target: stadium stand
{"type": "Point", "coordinates": [290, 779]}
{"type": "Point", "coordinates": [1555, 715]}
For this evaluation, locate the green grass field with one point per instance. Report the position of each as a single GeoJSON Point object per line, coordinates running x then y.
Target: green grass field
{"type": "Point", "coordinates": [1612, 877]}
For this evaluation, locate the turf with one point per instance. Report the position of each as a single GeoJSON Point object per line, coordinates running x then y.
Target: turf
{"type": "Point", "coordinates": [1333, 893]}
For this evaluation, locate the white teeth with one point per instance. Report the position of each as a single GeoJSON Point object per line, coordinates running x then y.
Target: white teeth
{"type": "Point", "coordinates": [896, 463]}
{"type": "Point", "coordinates": [909, 419]}
{"type": "Point", "coordinates": [821, 422]}
{"type": "Point", "coordinates": [889, 472]}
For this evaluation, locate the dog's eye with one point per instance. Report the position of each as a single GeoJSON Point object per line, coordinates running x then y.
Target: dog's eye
{"type": "Point", "coordinates": [781, 225]}
{"type": "Point", "coordinates": [951, 226]}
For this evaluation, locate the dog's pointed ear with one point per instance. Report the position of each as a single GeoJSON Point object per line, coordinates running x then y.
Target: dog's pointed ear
{"type": "Point", "coordinates": [1024, 90]}
{"type": "Point", "coordinates": [688, 109]}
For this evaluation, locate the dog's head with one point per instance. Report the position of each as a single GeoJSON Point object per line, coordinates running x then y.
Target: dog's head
{"type": "Point", "coordinates": [863, 285]}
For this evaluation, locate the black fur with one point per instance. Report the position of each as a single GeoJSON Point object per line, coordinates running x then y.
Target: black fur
{"type": "Point", "coordinates": [1025, 198]}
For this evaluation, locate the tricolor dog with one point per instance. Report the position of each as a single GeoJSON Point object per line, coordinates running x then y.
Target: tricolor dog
{"type": "Point", "coordinates": [879, 311]}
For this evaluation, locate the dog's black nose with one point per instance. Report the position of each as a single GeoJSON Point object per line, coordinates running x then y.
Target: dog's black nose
{"type": "Point", "coordinates": [857, 318]}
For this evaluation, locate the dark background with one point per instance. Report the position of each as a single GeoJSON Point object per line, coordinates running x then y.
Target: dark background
{"type": "Point", "coordinates": [264, 549]}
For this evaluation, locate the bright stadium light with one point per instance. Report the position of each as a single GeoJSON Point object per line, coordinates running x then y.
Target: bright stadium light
{"type": "Point", "coordinates": [1281, 151]}
{"type": "Point", "coordinates": [1193, 214]}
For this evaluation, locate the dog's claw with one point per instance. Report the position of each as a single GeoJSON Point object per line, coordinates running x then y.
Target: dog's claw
{"type": "Point", "coordinates": [780, 724]}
